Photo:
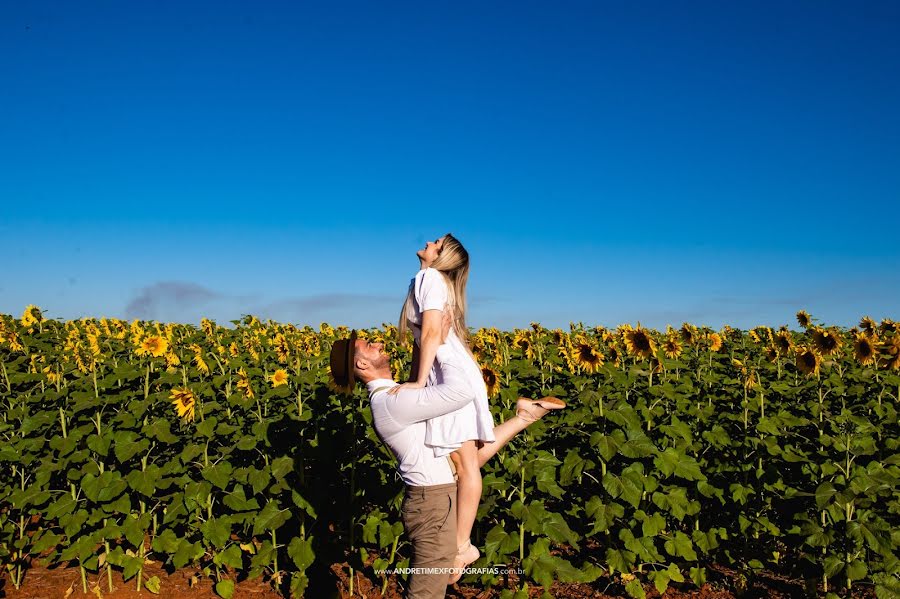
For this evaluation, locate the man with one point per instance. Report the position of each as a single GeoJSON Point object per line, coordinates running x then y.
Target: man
{"type": "Point", "coordinates": [429, 505]}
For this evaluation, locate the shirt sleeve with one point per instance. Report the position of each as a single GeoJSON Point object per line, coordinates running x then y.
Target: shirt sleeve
{"type": "Point", "coordinates": [416, 405]}
{"type": "Point", "coordinates": [431, 291]}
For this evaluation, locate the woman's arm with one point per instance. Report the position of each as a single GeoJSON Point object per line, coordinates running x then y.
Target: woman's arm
{"type": "Point", "coordinates": [443, 320]}
{"type": "Point", "coordinates": [429, 342]}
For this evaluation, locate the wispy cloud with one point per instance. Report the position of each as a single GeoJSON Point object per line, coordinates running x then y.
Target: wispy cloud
{"type": "Point", "coordinates": [165, 296]}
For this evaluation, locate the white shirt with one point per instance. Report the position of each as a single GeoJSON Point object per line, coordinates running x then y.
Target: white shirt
{"type": "Point", "coordinates": [399, 421]}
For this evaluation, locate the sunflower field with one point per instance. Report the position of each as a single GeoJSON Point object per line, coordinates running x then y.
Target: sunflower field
{"type": "Point", "coordinates": [226, 449]}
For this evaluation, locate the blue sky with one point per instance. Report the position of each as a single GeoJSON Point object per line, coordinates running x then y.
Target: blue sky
{"type": "Point", "coordinates": [602, 162]}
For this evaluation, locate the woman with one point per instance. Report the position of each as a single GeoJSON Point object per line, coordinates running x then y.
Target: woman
{"type": "Point", "coordinates": [440, 285]}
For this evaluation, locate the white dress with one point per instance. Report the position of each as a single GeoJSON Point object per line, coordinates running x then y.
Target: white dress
{"type": "Point", "coordinates": [429, 291]}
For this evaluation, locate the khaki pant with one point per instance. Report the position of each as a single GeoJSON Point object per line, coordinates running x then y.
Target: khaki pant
{"type": "Point", "coordinates": [429, 518]}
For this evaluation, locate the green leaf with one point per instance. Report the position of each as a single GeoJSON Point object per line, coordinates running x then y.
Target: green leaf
{"type": "Point", "coordinates": [303, 504]}
{"type": "Point", "coordinates": [280, 467]}
{"type": "Point", "coordinates": [236, 500]}
{"type": "Point", "coordinates": [166, 542]}
{"type": "Point", "coordinates": [127, 444]}
{"type": "Point", "coordinates": [218, 474]}
{"type": "Point", "coordinates": [300, 550]}
{"type": "Point", "coordinates": [207, 427]}
{"type": "Point", "coordinates": [258, 479]}
{"type": "Point", "coordinates": [217, 531]}
{"type": "Point", "coordinates": [619, 561]}
{"type": "Point", "coordinates": [608, 445]}
{"type": "Point", "coordinates": [230, 557]}
{"type": "Point", "coordinates": [680, 545]}
{"type": "Point", "coordinates": [152, 584]}
{"type": "Point", "coordinates": [857, 570]}
{"type": "Point", "coordinates": [824, 493]}
{"type": "Point", "coordinates": [160, 429]}
{"type": "Point", "coordinates": [225, 588]}
{"type": "Point", "coordinates": [603, 514]}
{"type": "Point", "coordinates": [270, 518]}
{"type": "Point", "coordinates": [635, 589]}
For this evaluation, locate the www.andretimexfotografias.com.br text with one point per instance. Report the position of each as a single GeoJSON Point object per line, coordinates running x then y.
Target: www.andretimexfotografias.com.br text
{"type": "Point", "coordinates": [485, 570]}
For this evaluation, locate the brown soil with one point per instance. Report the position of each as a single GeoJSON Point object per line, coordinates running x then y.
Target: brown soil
{"type": "Point", "coordinates": [40, 582]}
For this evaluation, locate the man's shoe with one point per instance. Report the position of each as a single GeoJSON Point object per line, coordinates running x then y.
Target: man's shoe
{"type": "Point", "coordinates": [525, 407]}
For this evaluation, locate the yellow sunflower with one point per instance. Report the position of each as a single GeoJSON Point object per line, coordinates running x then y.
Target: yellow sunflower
{"type": "Point", "coordinates": [671, 346]}
{"type": "Point", "coordinates": [243, 384]}
{"type": "Point", "coordinates": [748, 375]}
{"type": "Point", "coordinates": [771, 353]}
{"type": "Point", "coordinates": [491, 380]}
{"type": "Point", "coordinates": [804, 318]}
{"type": "Point", "coordinates": [32, 315]}
{"type": "Point", "coordinates": [279, 377]}
{"type": "Point", "coordinates": [155, 345]}
{"type": "Point", "coordinates": [588, 358]}
{"type": "Point", "coordinates": [808, 361]}
{"type": "Point", "coordinates": [172, 360]}
{"type": "Point", "coordinates": [282, 348]}
{"type": "Point", "coordinates": [784, 343]}
{"type": "Point", "coordinates": [52, 375]}
{"type": "Point", "coordinates": [208, 326]}
{"type": "Point", "coordinates": [715, 342]}
{"type": "Point", "coordinates": [184, 401]}
{"type": "Point", "coordinates": [867, 324]}
{"type": "Point", "coordinates": [688, 333]}
{"type": "Point", "coordinates": [864, 347]}
{"type": "Point", "coordinates": [199, 362]}
{"type": "Point", "coordinates": [615, 355]}
{"type": "Point", "coordinates": [826, 341]}
{"type": "Point", "coordinates": [639, 343]}
{"type": "Point", "coordinates": [887, 326]}
{"type": "Point", "coordinates": [892, 348]}
{"type": "Point", "coordinates": [522, 341]}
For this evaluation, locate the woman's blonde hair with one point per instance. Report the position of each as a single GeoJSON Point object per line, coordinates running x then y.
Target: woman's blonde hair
{"type": "Point", "coordinates": [453, 263]}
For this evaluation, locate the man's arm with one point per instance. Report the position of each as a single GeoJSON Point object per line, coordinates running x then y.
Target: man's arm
{"type": "Point", "coordinates": [411, 405]}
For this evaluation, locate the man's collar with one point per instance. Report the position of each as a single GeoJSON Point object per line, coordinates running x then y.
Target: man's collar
{"type": "Point", "coordinates": [371, 386]}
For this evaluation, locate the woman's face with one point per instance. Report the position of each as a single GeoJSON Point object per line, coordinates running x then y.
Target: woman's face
{"type": "Point", "coordinates": [431, 251]}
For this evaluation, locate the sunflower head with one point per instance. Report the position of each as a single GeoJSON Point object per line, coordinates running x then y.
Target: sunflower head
{"type": "Point", "coordinates": [279, 377]}
{"type": "Point", "coordinates": [715, 342]}
{"type": "Point", "coordinates": [783, 342]}
{"type": "Point", "coordinates": [243, 384]}
{"type": "Point", "coordinates": [155, 345]}
{"type": "Point", "coordinates": [808, 362]}
{"type": "Point", "coordinates": [688, 333]}
{"type": "Point", "coordinates": [864, 348]}
{"type": "Point", "coordinates": [31, 316]}
{"type": "Point", "coordinates": [867, 324]}
{"type": "Point", "coordinates": [892, 349]}
{"type": "Point", "coordinates": [671, 346]}
{"type": "Point", "coordinates": [491, 380]}
{"type": "Point", "coordinates": [826, 341]}
{"type": "Point", "coordinates": [184, 401]}
{"type": "Point", "coordinates": [887, 326]}
{"type": "Point", "coordinates": [588, 358]}
{"type": "Point", "coordinates": [639, 343]}
{"type": "Point", "coordinates": [804, 318]}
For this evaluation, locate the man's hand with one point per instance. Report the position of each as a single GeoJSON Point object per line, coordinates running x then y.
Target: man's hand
{"type": "Point", "coordinates": [396, 390]}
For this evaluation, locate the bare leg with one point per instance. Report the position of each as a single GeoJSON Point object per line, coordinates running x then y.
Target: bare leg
{"type": "Point", "coordinates": [503, 433]}
{"type": "Point", "coordinates": [479, 454]}
{"type": "Point", "coordinates": [468, 493]}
